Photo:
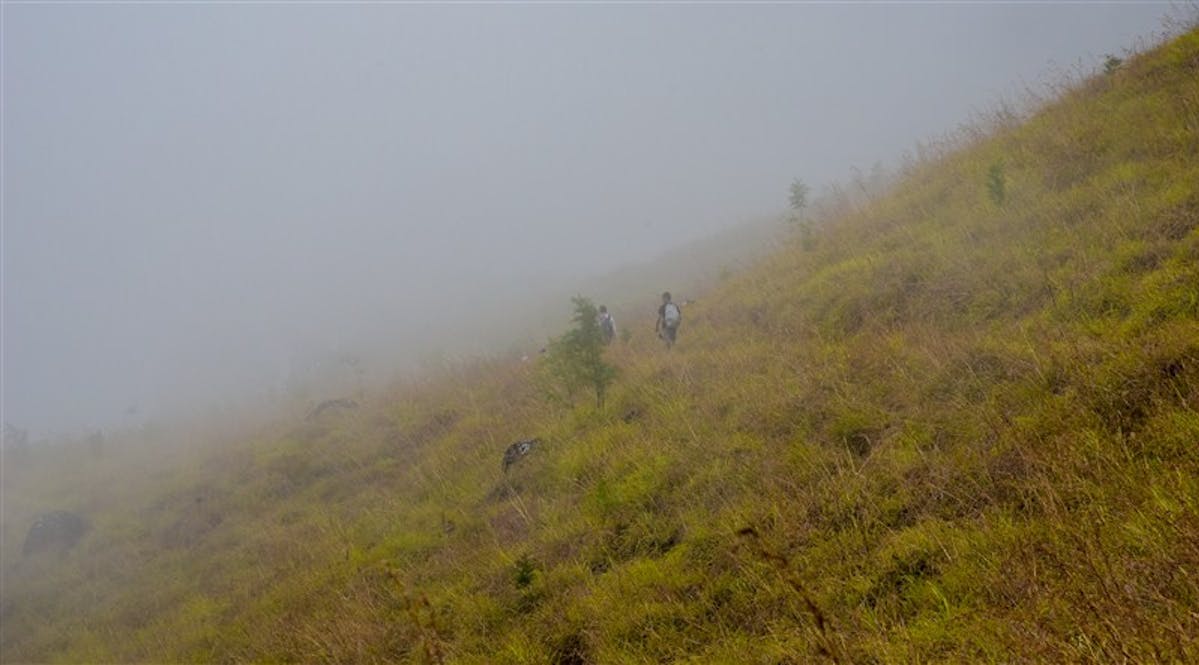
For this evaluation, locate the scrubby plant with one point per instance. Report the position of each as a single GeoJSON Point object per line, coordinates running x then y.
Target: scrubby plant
{"type": "Point", "coordinates": [523, 571]}
{"type": "Point", "coordinates": [575, 360]}
{"type": "Point", "coordinates": [1111, 63]}
{"type": "Point", "coordinates": [798, 199]}
{"type": "Point", "coordinates": [997, 184]}
{"type": "Point", "coordinates": [798, 196]}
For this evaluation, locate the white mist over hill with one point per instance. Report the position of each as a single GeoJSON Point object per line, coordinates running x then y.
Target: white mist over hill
{"type": "Point", "coordinates": [201, 201]}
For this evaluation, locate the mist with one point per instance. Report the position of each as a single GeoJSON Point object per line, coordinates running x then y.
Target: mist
{"type": "Point", "coordinates": [202, 202]}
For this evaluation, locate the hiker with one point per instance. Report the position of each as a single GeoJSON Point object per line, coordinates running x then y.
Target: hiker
{"type": "Point", "coordinates": [607, 325]}
{"type": "Point", "coordinates": [669, 317]}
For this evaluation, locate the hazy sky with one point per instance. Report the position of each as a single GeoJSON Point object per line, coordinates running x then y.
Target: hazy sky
{"type": "Point", "coordinates": [195, 195]}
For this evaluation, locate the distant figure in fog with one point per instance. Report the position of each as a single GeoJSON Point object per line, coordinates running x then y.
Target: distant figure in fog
{"type": "Point", "coordinates": [607, 324]}
{"type": "Point", "coordinates": [669, 317]}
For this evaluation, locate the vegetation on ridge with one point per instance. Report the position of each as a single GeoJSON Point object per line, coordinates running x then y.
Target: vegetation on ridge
{"type": "Point", "coordinates": [575, 360]}
{"type": "Point", "coordinates": [953, 428]}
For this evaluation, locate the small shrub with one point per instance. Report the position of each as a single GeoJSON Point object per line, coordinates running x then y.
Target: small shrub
{"type": "Point", "coordinates": [524, 572]}
{"type": "Point", "coordinates": [798, 196]}
{"type": "Point", "coordinates": [575, 360]}
{"type": "Point", "coordinates": [1111, 63]}
{"type": "Point", "coordinates": [997, 184]}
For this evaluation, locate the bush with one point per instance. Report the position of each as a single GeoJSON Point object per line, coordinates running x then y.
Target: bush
{"type": "Point", "coordinates": [575, 361]}
{"type": "Point", "coordinates": [997, 184]}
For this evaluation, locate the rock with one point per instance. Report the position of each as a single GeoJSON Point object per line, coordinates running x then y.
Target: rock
{"type": "Point", "coordinates": [518, 450]}
{"type": "Point", "coordinates": [57, 531]}
{"type": "Point", "coordinates": [332, 404]}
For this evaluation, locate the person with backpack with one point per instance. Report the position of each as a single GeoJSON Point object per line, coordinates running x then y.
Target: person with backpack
{"type": "Point", "coordinates": [607, 325]}
{"type": "Point", "coordinates": [669, 317]}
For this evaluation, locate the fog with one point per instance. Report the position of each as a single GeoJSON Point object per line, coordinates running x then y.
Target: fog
{"type": "Point", "coordinates": [201, 201]}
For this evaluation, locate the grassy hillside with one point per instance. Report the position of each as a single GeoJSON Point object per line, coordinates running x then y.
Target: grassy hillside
{"type": "Point", "coordinates": [954, 426]}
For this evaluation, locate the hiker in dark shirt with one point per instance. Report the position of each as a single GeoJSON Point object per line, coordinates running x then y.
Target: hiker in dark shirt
{"type": "Point", "coordinates": [669, 317]}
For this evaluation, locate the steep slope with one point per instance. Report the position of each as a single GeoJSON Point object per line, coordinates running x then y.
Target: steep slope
{"type": "Point", "coordinates": [959, 424]}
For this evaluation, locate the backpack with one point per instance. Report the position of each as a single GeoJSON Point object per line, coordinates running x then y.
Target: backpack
{"type": "Point", "coordinates": [671, 315]}
{"type": "Point", "coordinates": [608, 327]}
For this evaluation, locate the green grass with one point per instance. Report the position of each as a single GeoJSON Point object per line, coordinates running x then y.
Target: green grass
{"type": "Point", "coordinates": [939, 429]}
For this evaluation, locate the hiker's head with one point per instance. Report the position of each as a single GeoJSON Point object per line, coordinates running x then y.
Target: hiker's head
{"type": "Point", "coordinates": [666, 296]}
{"type": "Point", "coordinates": [603, 309]}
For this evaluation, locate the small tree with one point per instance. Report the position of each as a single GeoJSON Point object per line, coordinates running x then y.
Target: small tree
{"type": "Point", "coordinates": [799, 201]}
{"type": "Point", "coordinates": [997, 184]}
{"type": "Point", "coordinates": [575, 360]}
{"type": "Point", "coordinates": [1111, 64]}
{"type": "Point", "coordinates": [799, 196]}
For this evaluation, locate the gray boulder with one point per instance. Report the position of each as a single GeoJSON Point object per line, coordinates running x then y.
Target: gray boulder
{"type": "Point", "coordinates": [332, 405]}
{"type": "Point", "coordinates": [57, 531]}
{"type": "Point", "coordinates": [518, 450]}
